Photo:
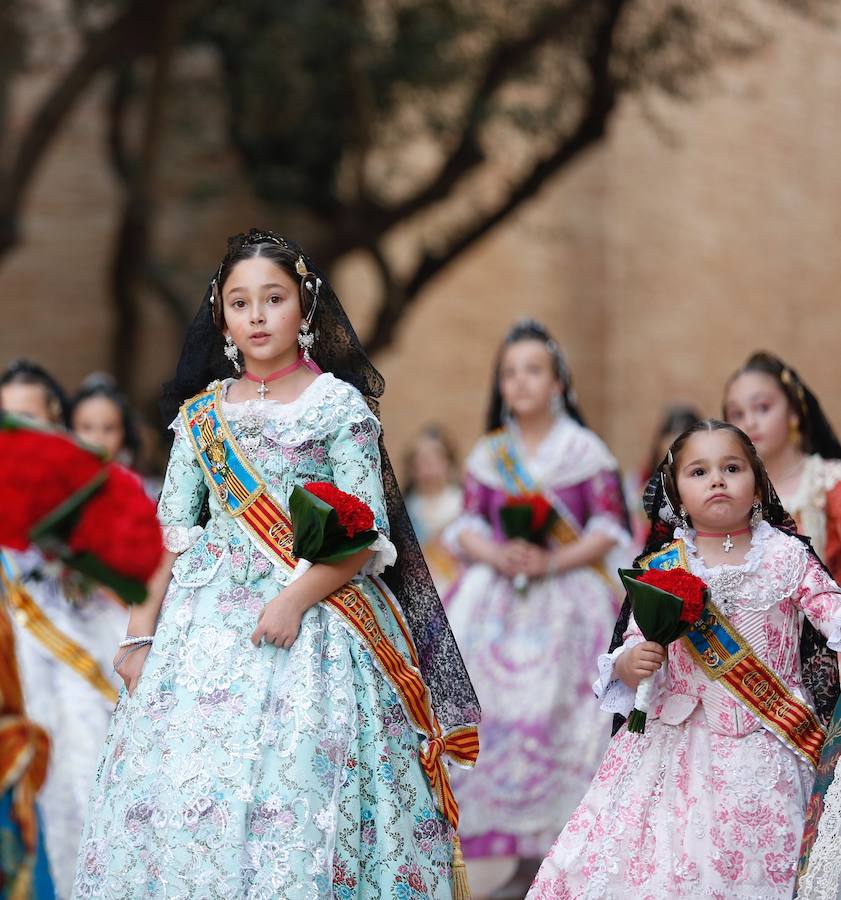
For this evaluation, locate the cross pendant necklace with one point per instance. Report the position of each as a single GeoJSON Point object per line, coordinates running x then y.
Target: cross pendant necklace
{"type": "Point", "coordinates": [263, 390]}
{"type": "Point", "coordinates": [727, 544]}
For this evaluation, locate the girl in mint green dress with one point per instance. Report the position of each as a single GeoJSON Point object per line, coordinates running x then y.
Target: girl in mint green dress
{"type": "Point", "coordinates": [248, 758]}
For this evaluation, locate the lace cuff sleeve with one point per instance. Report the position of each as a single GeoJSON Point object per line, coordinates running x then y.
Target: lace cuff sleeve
{"type": "Point", "coordinates": [609, 526]}
{"type": "Point", "coordinates": [385, 554]}
{"type": "Point", "coordinates": [178, 538]}
{"type": "Point", "coordinates": [465, 522]}
{"type": "Point", "coordinates": [614, 694]}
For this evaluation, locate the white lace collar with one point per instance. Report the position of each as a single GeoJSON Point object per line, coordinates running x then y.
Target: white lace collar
{"type": "Point", "coordinates": [276, 409]}
{"type": "Point", "coordinates": [569, 454]}
{"type": "Point", "coordinates": [321, 409]}
{"type": "Point", "coordinates": [771, 572]}
{"type": "Point", "coordinates": [760, 535]}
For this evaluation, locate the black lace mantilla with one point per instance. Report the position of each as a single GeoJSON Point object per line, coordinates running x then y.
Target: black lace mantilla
{"type": "Point", "coordinates": [338, 350]}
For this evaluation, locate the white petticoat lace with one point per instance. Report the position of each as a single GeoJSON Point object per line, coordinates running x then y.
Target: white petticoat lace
{"type": "Point", "coordinates": [822, 880]}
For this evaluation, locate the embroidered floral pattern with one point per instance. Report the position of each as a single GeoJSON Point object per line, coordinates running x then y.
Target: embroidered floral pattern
{"type": "Point", "coordinates": [236, 771]}
{"type": "Point", "coordinates": [707, 803]}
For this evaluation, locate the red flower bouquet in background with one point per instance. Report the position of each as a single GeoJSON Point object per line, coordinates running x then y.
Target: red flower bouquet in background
{"type": "Point", "coordinates": [328, 525]}
{"type": "Point", "coordinates": [666, 604]}
{"type": "Point", "coordinates": [527, 517]}
{"type": "Point", "coordinates": [92, 515]}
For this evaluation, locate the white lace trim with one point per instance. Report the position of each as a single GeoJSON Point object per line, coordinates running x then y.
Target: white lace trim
{"type": "Point", "coordinates": [322, 408]}
{"type": "Point", "coordinates": [610, 527]}
{"type": "Point", "coordinates": [614, 694]}
{"type": "Point", "coordinates": [568, 455]}
{"type": "Point", "coordinates": [834, 639]}
{"type": "Point", "coordinates": [822, 880]}
{"type": "Point", "coordinates": [808, 502]}
{"type": "Point", "coordinates": [450, 536]}
{"type": "Point", "coordinates": [783, 560]}
{"type": "Point", "coordinates": [178, 538]}
{"type": "Point", "coordinates": [385, 554]}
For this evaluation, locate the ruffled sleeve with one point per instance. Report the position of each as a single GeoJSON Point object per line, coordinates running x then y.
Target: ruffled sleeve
{"type": "Point", "coordinates": [474, 516]}
{"type": "Point", "coordinates": [614, 695]}
{"type": "Point", "coordinates": [819, 597]}
{"type": "Point", "coordinates": [354, 455]}
{"type": "Point", "coordinates": [605, 507]}
{"type": "Point", "coordinates": [183, 494]}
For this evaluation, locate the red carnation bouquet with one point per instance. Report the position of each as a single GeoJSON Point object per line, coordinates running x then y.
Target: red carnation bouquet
{"type": "Point", "coordinates": [328, 525]}
{"type": "Point", "coordinates": [666, 604]}
{"type": "Point", "coordinates": [527, 517]}
{"type": "Point", "coordinates": [92, 515]}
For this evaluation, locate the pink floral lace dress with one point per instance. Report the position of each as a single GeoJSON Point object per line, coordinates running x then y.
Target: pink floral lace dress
{"type": "Point", "coordinates": [707, 802]}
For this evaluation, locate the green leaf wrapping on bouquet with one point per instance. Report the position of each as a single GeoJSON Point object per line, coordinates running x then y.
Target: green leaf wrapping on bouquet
{"type": "Point", "coordinates": [656, 612]}
{"type": "Point", "coordinates": [56, 526]}
{"type": "Point", "coordinates": [318, 536]}
{"type": "Point", "coordinates": [131, 591]}
{"type": "Point", "coordinates": [516, 522]}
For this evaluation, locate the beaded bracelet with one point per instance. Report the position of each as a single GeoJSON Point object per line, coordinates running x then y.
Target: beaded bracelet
{"type": "Point", "coordinates": [131, 641]}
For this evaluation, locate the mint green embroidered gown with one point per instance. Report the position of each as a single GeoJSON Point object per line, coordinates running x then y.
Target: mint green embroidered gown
{"type": "Point", "coordinates": [235, 771]}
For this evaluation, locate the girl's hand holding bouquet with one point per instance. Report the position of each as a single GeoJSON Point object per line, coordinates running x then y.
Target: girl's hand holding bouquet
{"type": "Point", "coordinates": [328, 526]}
{"type": "Point", "coordinates": [666, 604]}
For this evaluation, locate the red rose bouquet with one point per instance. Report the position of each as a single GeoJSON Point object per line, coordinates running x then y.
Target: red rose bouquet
{"type": "Point", "coordinates": [328, 525]}
{"type": "Point", "coordinates": [92, 515]}
{"type": "Point", "coordinates": [527, 517]}
{"type": "Point", "coordinates": [666, 604]}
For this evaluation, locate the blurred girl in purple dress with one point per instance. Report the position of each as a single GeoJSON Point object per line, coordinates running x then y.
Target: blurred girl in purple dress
{"type": "Point", "coordinates": [532, 619]}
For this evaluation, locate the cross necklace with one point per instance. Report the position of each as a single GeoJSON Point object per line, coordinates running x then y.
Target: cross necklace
{"type": "Point", "coordinates": [727, 544]}
{"type": "Point", "coordinates": [287, 370]}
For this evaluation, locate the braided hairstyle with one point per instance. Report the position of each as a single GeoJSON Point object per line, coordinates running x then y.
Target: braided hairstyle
{"type": "Point", "coordinates": [661, 500]}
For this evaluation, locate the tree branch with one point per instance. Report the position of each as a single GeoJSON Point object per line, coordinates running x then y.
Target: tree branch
{"type": "Point", "coordinates": [127, 35]}
{"type": "Point", "coordinates": [467, 154]}
{"type": "Point", "coordinates": [589, 130]}
{"type": "Point", "coordinates": [133, 238]}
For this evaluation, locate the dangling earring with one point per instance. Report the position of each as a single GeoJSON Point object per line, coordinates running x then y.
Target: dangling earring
{"type": "Point", "coordinates": [505, 414]}
{"type": "Point", "coordinates": [232, 352]}
{"type": "Point", "coordinates": [556, 406]}
{"type": "Point", "coordinates": [756, 515]}
{"type": "Point", "coordinates": [306, 337]}
{"type": "Point", "coordinates": [794, 432]}
{"type": "Point", "coordinates": [684, 518]}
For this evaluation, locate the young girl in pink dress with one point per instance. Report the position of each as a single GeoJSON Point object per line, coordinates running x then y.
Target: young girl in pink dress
{"type": "Point", "coordinates": [709, 801]}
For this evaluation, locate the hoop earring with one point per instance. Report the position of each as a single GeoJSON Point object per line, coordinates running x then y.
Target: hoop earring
{"type": "Point", "coordinates": [232, 353]}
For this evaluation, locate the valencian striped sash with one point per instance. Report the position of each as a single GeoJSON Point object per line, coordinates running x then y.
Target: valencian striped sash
{"type": "Point", "coordinates": [29, 615]}
{"type": "Point", "coordinates": [244, 495]}
{"type": "Point", "coordinates": [724, 655]}
{"type": "Point", "coordinates": [517, 481]}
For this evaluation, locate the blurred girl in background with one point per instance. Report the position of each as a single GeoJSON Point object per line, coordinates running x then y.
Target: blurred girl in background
{"type": "Point", "coordinates": [768, 399]}
{"type": "Point", "coordinates": [433, 499]}
{"type": "Point", "coordinates": [65, 633]}
{"type": "Point", "coordinates": [530, 647]}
